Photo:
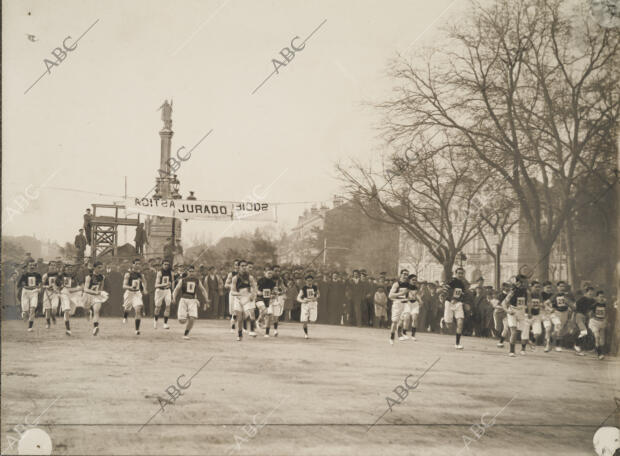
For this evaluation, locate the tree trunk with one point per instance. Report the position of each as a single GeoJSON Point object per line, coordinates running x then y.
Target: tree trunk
{"type": "Point", "coordinates": [448, 264]}
{"type": "Point", "coordinates": [542, 266]}
{"type": "Point", "coordinates": [570, 254]}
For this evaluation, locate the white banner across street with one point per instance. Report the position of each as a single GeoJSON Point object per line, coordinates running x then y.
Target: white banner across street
{"type": "Point", "coordinates": [203, 210]}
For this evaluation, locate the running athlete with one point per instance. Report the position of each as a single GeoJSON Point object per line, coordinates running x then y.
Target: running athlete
{"type": "Point", "coordinates": [308, 296]}
{"type": "Point", "coordinates": [134, 284]}
{"type": "Point", "coordinates": [241, 291]}
{"type": "Point", "coordinates": [231, 298]}
{"type": "Point", "coordinates": [412, 308]}
{"type": "Point", "coordinates": [453, 308]}
{"type": "Point", "coordinates": [499, 314]}
{"type": "Point", "coordinates": [163, 292]}
{"type": "Point", "coordinates": [30, 285]}
{"type": "Point", "coordinates": [94, 293]}
{"type": "Point", "coordinates": [546, 295]}
{"type": "Point", "coordinates": [560, 303]}
{"type": "Point", "coordinates": [188, 304]}
{"type": "Point", "coordinates": [582, 310]}
{"type": "Point", "coordinates": [516, 306]}
{"type": "Point", "coordinates": [276, 303]}
{"type": "Point", "coordinates": [69, 295]}
{"type": "Point", "coordinates": [398, 296]}
{"type": "Point", "coordinates": [266, 290]}
{"type": "Point", "coordinates": [598, 322]}
{"type": "Point", "coordinates": [251, 313]}
{"type": "Point", "coordinates": [51, 293]}
{"type": "Point", "coordinates": [536, 312]}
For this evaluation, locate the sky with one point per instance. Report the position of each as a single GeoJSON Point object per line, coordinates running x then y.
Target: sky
{"type": "Point", "coordinates": [93, 118]}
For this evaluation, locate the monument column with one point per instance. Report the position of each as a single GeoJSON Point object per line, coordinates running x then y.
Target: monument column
{"type": "Point", "coordinates": [160, 230]}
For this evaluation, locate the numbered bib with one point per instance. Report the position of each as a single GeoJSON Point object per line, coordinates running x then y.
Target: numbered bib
{"type": "Point", "coordinates": [51, 281]}
{"type": "Point", "coordinates": [458, 292]}
{"type": "Point", "coordinates": [190, 287]}
{"type": "Point", "coordinates": [67, 282]}
{"type": "Point", "coordinates": [310, 292]}
{"type": "Point", "coordinates": [165, 280]}
{"type": "Point", "coordinates": [561, 301]}
{"type": "Point", "coordinates": [135, 284]}
{"type": "Point", "coordinates": [521, 301]}
{"type": "Point", "coordinates": [535, 302]}
{"type": "Point", "coordinates": [32, 281]}
{"type": "Point", "coordinates": [267, 293]}
{"type": "Point", "coordinates": [599, 312]}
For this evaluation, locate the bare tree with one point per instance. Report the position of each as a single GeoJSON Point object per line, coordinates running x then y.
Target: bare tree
{"type": "Point", "coordinates": [530, 87]}
{"type": "Point", "coordinates": [429, 194]}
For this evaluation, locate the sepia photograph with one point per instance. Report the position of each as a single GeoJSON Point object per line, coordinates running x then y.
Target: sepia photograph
{"type": "Point", "coordinates": [301, 228]}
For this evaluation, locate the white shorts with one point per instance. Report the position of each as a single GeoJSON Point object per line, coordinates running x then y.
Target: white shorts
{"type": "Point", "coordinates": [163, 295]}
{"type": "Point", "coordinates": [240, 302]}
{"type": "Point", "coordinates": [90, 300]}
{"type": "Point", "coordinates": [276, 306]}
{"type": "Point", "coordinates": [187, 307]}
{"type": "Point", "coordinates": [69, 300]}
{"type": "Point", "coordinates": [248, 305]}
{"type": "Point", "coordinates": [132, 299]}
{"type": "Point", "coordinates": [51, 299]}
{"type": "Point", "coordinates": [397, 310]}
{"type": "Point", "coordinates": [519, 320]}
{"type": "Point", "coordinates": [308, 311]}
{"type": "Point", "coordinates": [30, 298]}
{"type": "Point", "coordinates": [415, 307]}
{"type": "Point", "coordinates": [559, 320]}
{"type": "Point", "coordinates": [536, 323]}
{"type": "Point", "coordinates": [406, 309]}
{"type": "Point", "coordinates": [598, 329]}
{"type": "Point", "coordinates": [261, 305]}
{"type": "Point", "coordinates": [452, 311]}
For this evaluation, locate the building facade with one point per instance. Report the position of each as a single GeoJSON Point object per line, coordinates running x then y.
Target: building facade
{"type": "Point", "coordinates": [518, 250]}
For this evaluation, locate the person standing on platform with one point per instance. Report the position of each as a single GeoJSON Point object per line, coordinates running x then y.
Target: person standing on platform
{"type": "Point", "coordinates": [140, 239]}
{"type": "Point", "coordinates": [80, 244]}
{"type": "Point", "coordinates": [87, 227]}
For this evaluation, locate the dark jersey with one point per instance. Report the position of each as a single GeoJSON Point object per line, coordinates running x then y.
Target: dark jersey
{"type": "Point", "coordinates": [189, 288]}
{"type": "Point", "coordinates": [309, 292]}
{"type": "Point", "coordinates": [584, 304]}
{"type": "Point", "coordinates": [29, 280]}
{"type": "Point", "coordinates": [519, 298]}
{"type": "Point", "coordinates": [135, 280]}
{"type": "Point", "coordinates": [411, 295]}
{"type": "Point", "coordinates": [599, 311]}
{"type": "Point", "coordinates": [243, 282]}
{"type": "Point", "coordinates": [52, 279]}
{"type": "Point", "coordinates": [96, 282]}
{"type": "Point", "coordinates": [560, 303]}
{"type": "Point", "coordinates": [69, 280]}
{"type": "Point", "coordinates": [402, 287]}
{"type": "Point", "coordinates": [266, 286]}
{"type": "Point", "coordinates": [166, 278]}
{"type": "Point", "coordinates": [457, 289]}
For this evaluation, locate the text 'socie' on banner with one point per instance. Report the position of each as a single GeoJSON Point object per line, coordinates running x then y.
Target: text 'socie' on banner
{"type": "Point", "coordinates": [203, 210]}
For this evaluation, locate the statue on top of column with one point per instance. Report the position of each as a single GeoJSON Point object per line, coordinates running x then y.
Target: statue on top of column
{"type": "Point", "coordinates": [166, 113]}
